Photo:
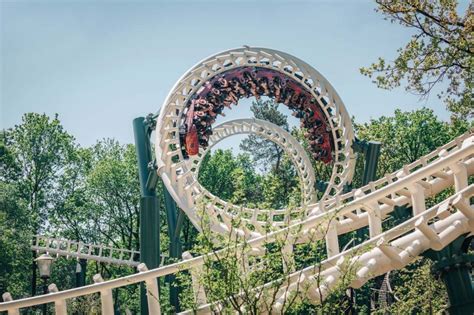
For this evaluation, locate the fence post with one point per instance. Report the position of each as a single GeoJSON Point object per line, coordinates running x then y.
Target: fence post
{"type": "Point", "coordinates": [7, 297]}
{"type": "Point", "coordinates": [198, 289]}
{"type": "Point", "coordinates": [60, 306]}
{"type": "Point", "coordinates": [153, 297]}
{"type": "Point", "coordinates": [106, 299]}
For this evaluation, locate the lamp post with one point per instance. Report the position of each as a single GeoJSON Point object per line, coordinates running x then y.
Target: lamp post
{"type": "Point", "coordinates": [81, 267]}
{"type": "Point", "coordinates": [44, 263]}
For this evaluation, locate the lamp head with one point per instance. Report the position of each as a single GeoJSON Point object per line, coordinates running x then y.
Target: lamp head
{"type": "Point", "coordinates": [44, 265]}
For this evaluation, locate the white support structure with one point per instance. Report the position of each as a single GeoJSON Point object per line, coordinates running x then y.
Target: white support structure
{"type": "Point", "coordinates": [417, 198]}
{"type": "Point", "coordinates": [95, 252]}
{"type": "Point", "coordinates": [332, 240]}
{"type": "Point", "coordinates": [7, 297]}
{"type": "Point", "coordinates": [373, 214]}
{"type": "Point", "coordinates": [177, 172]}
{"type": "Point", "coordinates": [392, 254]}
{"type": "Point", "coordinates": [152, 294]}
{"type": "Point", "coordinates": [460, 175]}
{"type": "Point", "coordinates": [198, 289]}
{"type": "Point", "coordinates": [60, 306]}
{"type": "Point", "coordinates": [106, 298]}
{"type": "Point", "coordinates": [271, 132]}
{"type": "Point", "coordinates": [287, 255]}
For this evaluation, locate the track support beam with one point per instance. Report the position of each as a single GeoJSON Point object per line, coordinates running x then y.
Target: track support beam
{"type": "Point", "coordinates": [149, 206]}
{"type": "Point", "coordinates": [175, 219]}
{"type": "Point", "coordinates": [371, 151]}
{"type": "Point", "coordinates": [150, 210]}
{"type": "Point", "coordinates": [454, 265]}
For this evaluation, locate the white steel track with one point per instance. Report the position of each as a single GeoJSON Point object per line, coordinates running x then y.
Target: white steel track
{"type": "Point", "coordinates": [176, 170]}
{"type": "Point", "coordinates": [271, 132]}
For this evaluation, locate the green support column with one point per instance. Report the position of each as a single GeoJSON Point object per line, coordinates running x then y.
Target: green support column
{"type": "Point", "coordinates": [372, 153]}
{"type": "Point", "coordinates": [174, 220]}
{"type": "Point", "coordinates": [149, 206]}
{"type": "Point", "coordinates": [454, 266]}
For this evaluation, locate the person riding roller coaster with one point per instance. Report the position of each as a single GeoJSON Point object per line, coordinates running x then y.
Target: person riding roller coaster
{"type": "Point", "coordinates": [230, 86]}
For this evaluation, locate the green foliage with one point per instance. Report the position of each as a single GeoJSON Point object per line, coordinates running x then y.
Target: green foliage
{"type": "Point", "coordinates": [38, 150]}
{"type": "Point", "coordinates": [215, 173]}
{"type": "Point", "coordinates": [235, 179]}
{"type": "Point", "coordinates": [264, 152]}
{"type": "Point", "coordinates": [281, 189]}
{"type": "Point", "coordinates": [406, 136]}
{"type": "Point", "coordinates": [237, 281]}
{"type": "Point", "coordinates": [49, 184]}
{"type": "Point", "coordinates": [114, 194]}
{"type": "Point", "coordinates": [246, 183]}
{"type": "Point", "coordinates": [15, 237]}
{"type": "Point", "coordinates": [440, 50]}
{"type": "Point", "coordinates": [280, 186]}
{"type": "Point", "coordinates": [34, 157]}
{"type": "Point", "coordinates": [418, 292]}
{"type": "Point", "coordinates": [229, 279]}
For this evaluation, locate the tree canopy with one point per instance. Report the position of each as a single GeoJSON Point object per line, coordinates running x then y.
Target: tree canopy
{"type": "Point", "coordinates": [440, 53]}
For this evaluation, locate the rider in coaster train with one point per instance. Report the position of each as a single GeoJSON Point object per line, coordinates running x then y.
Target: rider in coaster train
{"type": "Point", "coordinates": [228, 88]}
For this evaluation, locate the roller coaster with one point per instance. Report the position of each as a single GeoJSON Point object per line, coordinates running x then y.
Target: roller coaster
{"type": "Point", "coordinates": [184, 133]}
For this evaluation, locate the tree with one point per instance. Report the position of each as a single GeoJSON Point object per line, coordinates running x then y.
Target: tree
{"type": "Point", "coordinates": [114, 193]}
{"type": "Point", "coordinates": [15, 239]}
{"type": "Point", "coordinates": [99, 204]}
{"type": "Point", "coordinates": [231, 178]}
{"type": "Point", "coordinates": [37, 152]}
{"type": "Point", "coordinates": [246, 183]}
{"type": "Point", "coordinates": [84, 194]}
{"type": "Point", "coordinates": [407, 136]}
{"type": "Point", "coordinates": [281, 189]}
{"type": "Point", "coordinates": [265, 152]}
{"type": "Point", "coordinates": [72, 211]}
{"type": "Point", "coordinates": [441, 49]}
{"type": "Point", "coordinates": [215, 173]}
{"type": "Point", "coordinates": [417, 290]}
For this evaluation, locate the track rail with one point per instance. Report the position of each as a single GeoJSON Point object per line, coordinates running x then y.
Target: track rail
{"type": "Point", "coordinates": [271, 132]}
{"type": "Point", "coordinates": [176, 170]}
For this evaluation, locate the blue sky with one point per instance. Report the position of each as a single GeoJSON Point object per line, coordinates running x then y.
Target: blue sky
{"type": "Point", "coordinates": [99, 64]}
